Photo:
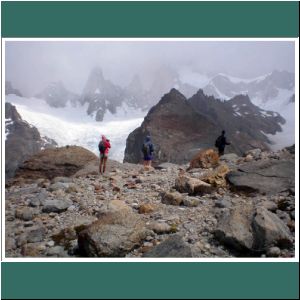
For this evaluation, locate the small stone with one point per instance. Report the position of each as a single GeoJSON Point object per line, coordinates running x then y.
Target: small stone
{"type": "Point", "coordinates": [50, 243]}
{"type": "Point", "coordinates": [58, 186]}
{"type": "Point", "coordinates": [62, 179]}
{"type": "Point", "coordinates": [10, 244]}
{"type": "Point", "coordinates": [36, 235]}
{"type": "Point", "coordinates": [223, 203]}
{"type": "Point", "coordinates": [25, 214]}
{"type": "Point", "coordinates": [146, 208]}
{"type": "Point", "coordinates": [191, 201]}
{"type": "Point", "coordinates": [34, 202]}
{"type": "Point", "coordinates": [30, 250]}
{"type": "Point", "coordinates": [173, 198]}
{"type": "Point", "coordinates": [160, 228]}
{"type": "Point", "coordinates": [273, 252]}
{"type": "Point", "coordinates": [28, 224]}
{"type": "Point", "coordinates": [56, 205]}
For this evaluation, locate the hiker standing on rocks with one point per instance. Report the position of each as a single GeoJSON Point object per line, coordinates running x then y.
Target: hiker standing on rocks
{"type": "Point", "coordinates": [104, 146]}
{"type": "Point", "coordinates": [147, 150]}
{"type": "Point", "coordinates": [221, 142]}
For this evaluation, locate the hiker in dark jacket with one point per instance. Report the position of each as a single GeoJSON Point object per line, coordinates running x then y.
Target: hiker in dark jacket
{"type": "Point", "coordinates": [147, 150]}
{"type": "Point", "coordinates": [221, 142]}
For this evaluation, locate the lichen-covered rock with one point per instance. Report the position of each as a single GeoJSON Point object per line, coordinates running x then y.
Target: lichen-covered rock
{"type": "Point", "coordinates": [205, 159]}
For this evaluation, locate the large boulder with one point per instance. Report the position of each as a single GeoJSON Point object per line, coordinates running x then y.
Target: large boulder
{"type": "Point", "coordinates": [117, 232]}
{"type": "Point", "coordinates": [269, 177]}
{"type": "Point", "coordinates": [234, 228]}
{"type": "Point", "coordinates": [270, 231]}
{"type": "Point", "coordinates": [51, 163]}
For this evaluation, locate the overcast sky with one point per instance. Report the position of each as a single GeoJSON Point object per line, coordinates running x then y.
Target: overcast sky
{"type": "Point", "coordinates": [31, 65]}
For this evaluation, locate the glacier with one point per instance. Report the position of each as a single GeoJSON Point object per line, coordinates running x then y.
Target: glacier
{"type": "Point", "coordinates": [72, 126]}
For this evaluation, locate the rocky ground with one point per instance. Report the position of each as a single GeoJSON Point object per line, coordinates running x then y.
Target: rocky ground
{"type": "Point", "coordinates": [229, 208]}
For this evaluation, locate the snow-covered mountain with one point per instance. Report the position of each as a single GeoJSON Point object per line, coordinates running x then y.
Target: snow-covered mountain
{"type": "Point", "coordinates": [56, 95]}
{"type": "Point", "coordinates": [274, 91]}
{"type": "Point", "coordinates": [107, 108]}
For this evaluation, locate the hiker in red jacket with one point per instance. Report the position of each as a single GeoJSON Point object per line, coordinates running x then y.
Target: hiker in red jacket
{"type": "Point", "coordinates": [104, 146]}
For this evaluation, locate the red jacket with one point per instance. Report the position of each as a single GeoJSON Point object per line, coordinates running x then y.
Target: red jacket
{"type": "Point", "coordinates": [107, 146]}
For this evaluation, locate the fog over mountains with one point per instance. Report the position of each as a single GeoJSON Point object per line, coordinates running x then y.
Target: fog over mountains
{"type": "Point", "coordinates": [74, 92]}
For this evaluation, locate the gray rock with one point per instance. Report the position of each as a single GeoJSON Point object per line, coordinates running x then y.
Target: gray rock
{"type": "Point", "coordinates": [273, 252]}
{"type": "Point", "coordinates": [284, 216]}
{"type": "Point", "coordinates": [230, 158]}
{"type": "Point", "coordinates": [172, 247]}
{"type": "Point", "coordinates": [270, 231]}
{"type": "Point", "coordinates": [114, 234]}
{"type": "Point", "coordinates": [57, 251]}
{"type": "Point", "coordinates": [166, 166]}
{"type": "Point", "coordinates": [25, 214]}
{"type": "Point", "coordinates": [269, 205]}
{"type": "Point", "coordinates": [21, 240]}
{"type": "Point", "coordinates": [270, 177]}
{"type": "Point", "coordinates": [62, 179]}
{"type": "Point", "coordinates": [36, 235]}
{"type": "Point", "coordinates": [223, 203]}
{"type": "Point", "coordinates": [58, 186]}
{"type": "Point", "coordinates": [34, 202]}
{"type": "Point", "coordinates": [10, 244]}
{"type": "Point", "coordinates": [292, 214]}
{"type": "Point", "coordinates": [56, 205]}
{"type": "Point", "coordinates": [191, 201]}
{"type": "Point", "coordinates": [234, 228]}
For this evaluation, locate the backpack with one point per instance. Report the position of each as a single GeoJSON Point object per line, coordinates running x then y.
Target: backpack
{"type": "Point", "coordinates": [145, 149]}
{"type": "Point", "coordinates": [218, 142]}
{"type": "Point", "coordinates": [101, 147]}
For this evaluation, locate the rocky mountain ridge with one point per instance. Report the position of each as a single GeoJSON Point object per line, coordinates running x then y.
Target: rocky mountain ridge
{"type": "Point", "coordinates": [179, 127]}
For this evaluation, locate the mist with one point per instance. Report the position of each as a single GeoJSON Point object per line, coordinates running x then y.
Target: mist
{"type": "Point", "coordinates": [31, 65]}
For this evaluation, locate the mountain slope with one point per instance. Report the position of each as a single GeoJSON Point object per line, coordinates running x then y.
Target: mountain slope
{"type": "Point", "coordinates": [180, 127]}
{"type": "Point", "coordinates": [21, 140]}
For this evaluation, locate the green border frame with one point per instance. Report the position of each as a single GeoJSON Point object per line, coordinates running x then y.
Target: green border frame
{"type": "Point", "coordinates": [150, 280]}
{"type": "Point", "coordinates": [150, 19]}
{"type": "Point", "coordinates": [96, 280]}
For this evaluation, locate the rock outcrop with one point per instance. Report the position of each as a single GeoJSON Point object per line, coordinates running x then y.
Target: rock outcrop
{"type": "Point", "coordinates": [50, 163]}
{"type": "Point", "coordinates": [265, 176]}
{"type": "Point", "coordinates": [177, 131]}
{"type": "Point", "coordinates": [22, 140]}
